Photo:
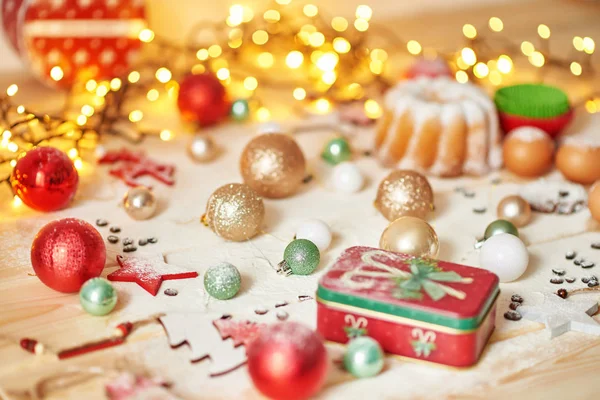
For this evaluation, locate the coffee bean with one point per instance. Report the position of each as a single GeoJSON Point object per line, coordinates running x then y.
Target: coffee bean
{"type": "Point", "coordinates": [261, 311]}
{"type": "Point", "coordinates": [559, 272]}
{"type": "Point", "coordinates": [307, 179]}
{"type": "Point", "coordinates": [479, 210]}
{"type": "Point", "coordinates": [367, 153]}
{"type": "Point", "coordinates": [557, 281]}
{"type": "Point", "coordinates": [512, 315]}
{"type": "Point", "coordinates": [563, 193]}
{"type": "Point", "coordinates": [469, 194]}
{"type": "Point", "coordinates": [152, 240]}
{"type": "Point", "coordinates": [587, 264]}
{"type": "Point", "coordinates": [304, 297]}
{"type": "Point", "coordinates": [115, 229]}
{"type": "Point", "coordinates": [585, 279]}
{"type": "Point", "coordinates": [459, 189]}
{"type": "Point", "coordinates": [101, 222]}
{"type": "Point", "coordinates": [570, 255]}
{"type": "Point", "coordinates": [143, 242]}
{"type": "Point", "coordinates": [127, 241]}
{"type": "Point", "coordinates": [171, 292]}
{"type": "Point", "coordinates": [516, 298]}
{"type": "Point", "coordinates": [593, 283]}
{"type": "Point", "coordinates": [496, 181]}
{"type": "Point", "coordinates": [112, 239]}
{"type": "Point", "coordinates": [570, 279]}
{"type": "Point", "coordinates": [578, 261]}
{"type": "Point", "coordinates": [596, 246]}
{"type": "Point", "coordinates": [281, 304]}
{"type": "Point", "coordinates": [129, 248]}
{"type": "Point", "coordinates": [282, 315]}
{"type": "Point", "coordinates": [562, 293]}
{"type": "Point", "coordinates": [514, 305]}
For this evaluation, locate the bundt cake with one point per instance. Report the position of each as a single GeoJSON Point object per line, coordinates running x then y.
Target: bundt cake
{"type": "Point", "coordinates": [439, 126]}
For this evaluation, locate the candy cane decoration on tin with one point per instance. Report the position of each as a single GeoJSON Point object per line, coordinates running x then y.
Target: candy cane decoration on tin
{"type": "Point", "coordinates": [357, 326]}
{"type": "Point", "coordinates": [425, 342]}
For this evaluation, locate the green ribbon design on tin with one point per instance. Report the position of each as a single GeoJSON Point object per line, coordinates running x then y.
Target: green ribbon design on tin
{"type": "Point", "coordinates": [424, 275]}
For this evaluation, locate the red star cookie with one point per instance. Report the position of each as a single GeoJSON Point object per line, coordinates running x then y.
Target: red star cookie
{"type": "Point", "coordinates": [129, 172]}
{"type": "Point", "coordinates": [124, 154]}
{"type": "Point", "coordinates": [148, 272]}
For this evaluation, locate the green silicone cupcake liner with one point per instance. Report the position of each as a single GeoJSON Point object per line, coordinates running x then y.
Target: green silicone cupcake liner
{"type": "Point", "coordinates": [532, 100]}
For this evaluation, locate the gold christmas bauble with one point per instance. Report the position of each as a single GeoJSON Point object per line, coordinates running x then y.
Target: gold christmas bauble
{"type": "Point", "coordinates": [273, 165]}
{"type": "Point", "coordinates": [202, 148]}
{"type": "Point", "coordinates": [404, 193]}
{"type": "Point", "coordinates": [515, 209]}
{"type": "Point", "coordinates": [140, 203]}
{"type": "Point", "coordinates": [235, 212]}
{"type": "Point", "coordinates": [410, 235]}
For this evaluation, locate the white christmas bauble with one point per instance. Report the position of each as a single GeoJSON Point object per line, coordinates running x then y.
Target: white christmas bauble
{"type": "Point", "coordinates": [347, 177]}
{"type": "Point", "coordinates": [316, 231]}
{"type": "Point", "coordinates": [505, 255]}
{"type": "Point", "coordinates": [269, 127]}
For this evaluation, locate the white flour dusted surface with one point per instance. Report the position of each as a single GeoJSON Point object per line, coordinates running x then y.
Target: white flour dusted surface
{"type": "Point", "coordinates": [186, 243]}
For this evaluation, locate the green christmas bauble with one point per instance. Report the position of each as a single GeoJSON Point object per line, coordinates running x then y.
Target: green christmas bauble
{"type": "Point", "coordinates": [500, 226]}
{"type": "Point", "coordinates": [336, 151]}
{"type": "Point", "coordinates": [240, 110]}
{"type": "Point", "coordinates": [98, 296]}
{"type": "Point", "coordinates": [222, 281]}
{"type": "Point", "coordinates": [302, 257]}
{"type": "Point", "coordinates": [364, 357]}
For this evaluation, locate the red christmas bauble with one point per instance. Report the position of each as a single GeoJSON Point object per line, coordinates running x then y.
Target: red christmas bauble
{"type": "Point", "coordinates": [287, 361]}
{"type": "Point", "coordinates": [202, 99]}
{"type": "Point", "coordinates": [80, 39]}
{"type": "Point", "coordinates": [45, 179]}
{"type": "Point", "coordinates": [66, 253]}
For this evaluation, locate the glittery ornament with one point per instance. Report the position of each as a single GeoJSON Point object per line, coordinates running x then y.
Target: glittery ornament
{"type": "Point", "coordinates": [273, 165]}
{"type": "Point", "coordinates": [515, 209]}
{"type": "Point", "coordinates": [410, 235]}
{"type": "Point", "coordinates": [202, 99]}
{"type": "Point", "coordinates": [140, 203]}
{"type": "Point", "coordinates": [222, 281]}
{"type": "Point", "coordinates": [404, 193]}
{"type": "Point", "coordinates": [301, 257]}
{"type": "Point", "coordinates": [336, 151]}
{"type": "Point", "coordinates": [364, 357]}
{"type": "Point", "coordinates": [66, 253]}
{"type": "Point", "coordinates": [287, 361]}
{"type": "Point", "coordinates": [500, 226]}
{"type": "Point", "coordinates": [98, 296]}
{"type": "Point", "coordinates": [240, 110]}
{"type": "Point", "coordinates": [45, 179]}
{"type": "Point", "coordinates": [235, 212]}
{"type": "Point", "coordinates": [202, 148]}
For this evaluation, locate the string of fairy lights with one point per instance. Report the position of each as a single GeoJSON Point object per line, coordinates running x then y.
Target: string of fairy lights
{"type": "Point", "coordinates": [320, 60]}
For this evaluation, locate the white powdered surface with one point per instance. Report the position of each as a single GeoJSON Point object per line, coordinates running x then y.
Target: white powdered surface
{"type": "Point", "coordinates": [186, 243]}
{"type": "Point", "coordinates": [529, 134]}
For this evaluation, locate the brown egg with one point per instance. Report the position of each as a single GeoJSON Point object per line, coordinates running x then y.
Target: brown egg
{"type": "Point", "coordinates": [578, 159]}
{"type": "Point", "coordinates": [528, 152]}
{"type": "Point", "coordinates": [594, 201]}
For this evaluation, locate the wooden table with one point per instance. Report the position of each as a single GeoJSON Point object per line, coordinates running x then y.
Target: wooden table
{"type": "Point", "coordinates": [564, 368]}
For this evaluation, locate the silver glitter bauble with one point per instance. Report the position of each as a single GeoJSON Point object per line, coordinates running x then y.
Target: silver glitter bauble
{"type": "Point", "coordinates": [140, 203]}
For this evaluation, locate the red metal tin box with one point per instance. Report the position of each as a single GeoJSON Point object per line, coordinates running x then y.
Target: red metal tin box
{"type": "Point", "coordinates": [419, 308]}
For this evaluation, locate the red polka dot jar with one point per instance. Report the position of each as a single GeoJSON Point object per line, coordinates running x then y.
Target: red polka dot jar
{"type": "Point", "coordinates": [65, 41]}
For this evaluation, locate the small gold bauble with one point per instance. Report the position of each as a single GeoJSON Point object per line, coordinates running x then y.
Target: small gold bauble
{"type": "Point", "coordinates": [404, 193]}
{"type": "Point", "coordinates": [140, 203]}
{"type": "Point", "coordinates": [515, 209]}
{"type": "Point", "coordinates": [273, 165]}
{"type": "Point", "coordinates": [410, 235]}
{"type": "Point", "coordinates": [235, 212]}
{"type": "Point", "coordinates": [202, 148]}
